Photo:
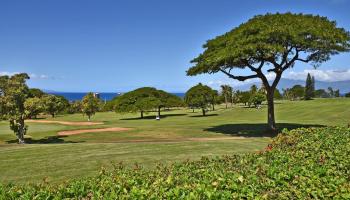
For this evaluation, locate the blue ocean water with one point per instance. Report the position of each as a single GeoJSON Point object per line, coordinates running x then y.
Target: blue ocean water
{"type": "Point", "coordinates": [73, 96]}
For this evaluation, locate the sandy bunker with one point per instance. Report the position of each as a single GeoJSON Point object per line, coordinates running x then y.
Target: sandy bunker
{"type": "Point", "coordinates": [96, 130]}
{"type": "Point", "coordinates": [66, 123]}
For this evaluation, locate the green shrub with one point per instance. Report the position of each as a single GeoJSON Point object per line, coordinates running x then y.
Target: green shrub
{"type": "Point", "coordinates": [299, 164]}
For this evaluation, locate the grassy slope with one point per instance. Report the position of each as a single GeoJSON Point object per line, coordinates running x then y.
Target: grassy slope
{"type": "Point", "coordinates": [73, 156]}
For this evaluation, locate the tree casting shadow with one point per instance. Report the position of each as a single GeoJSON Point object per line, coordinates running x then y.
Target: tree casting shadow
{"type": "Point", "coordinates": [48, 140]}
{"type": "Point", "coordinates": [154, 117]}
{"type": "Point", "coordinates": [255, 130]}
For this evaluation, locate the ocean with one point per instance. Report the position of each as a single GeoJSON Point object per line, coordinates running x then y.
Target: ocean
{"type": "Point", "coordinates": [73, 96]}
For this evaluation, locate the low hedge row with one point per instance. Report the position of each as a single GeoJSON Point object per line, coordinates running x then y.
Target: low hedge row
{"type": "Point", "coordinates": [299, 164]}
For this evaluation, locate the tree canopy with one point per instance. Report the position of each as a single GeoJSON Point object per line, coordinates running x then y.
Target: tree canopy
{"type": "Point", "coordinates": [89, 105]}
{"type": "Point", "coordinates": [309, 88]}
{"type": "Point", "coordinates": [271, 43]}
{"type": "Point", "coordinates": [54, 104]}
{"type": "Point", "coordinates": [145, 99]}
{"type": "Point", "coordinates": [200, 96]}
{"type": "Point", "coordinates": [13, 94]}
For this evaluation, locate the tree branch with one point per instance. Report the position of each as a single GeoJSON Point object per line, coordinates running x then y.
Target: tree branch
{"type": "Point", "coordinates": [240, 78]}
{"type": "Point", "coordinates": [291, 62]}
{"type": "Point", "coordinates": [251, 67]}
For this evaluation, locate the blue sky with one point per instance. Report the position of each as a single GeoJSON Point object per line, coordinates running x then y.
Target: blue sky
{"type": "Point", "coordinates": [109, 46]}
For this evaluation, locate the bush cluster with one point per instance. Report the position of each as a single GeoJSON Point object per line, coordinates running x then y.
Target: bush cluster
{"type": "Point", "coordinates": [298, 164]}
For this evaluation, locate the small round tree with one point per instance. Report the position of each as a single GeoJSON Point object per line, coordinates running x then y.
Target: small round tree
{"type": "Point", "coordinates": [53, 104]}
{"type": "Point", "coordinates": [199, 96]}
{"type": "Point", "coordinates": [271, 43]}
{"type": "Point", "coordinates": [89, 105]}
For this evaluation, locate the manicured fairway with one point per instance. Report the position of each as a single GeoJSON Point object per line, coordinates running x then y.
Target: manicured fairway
{"type": "Point", "coordinates": [179, 135]}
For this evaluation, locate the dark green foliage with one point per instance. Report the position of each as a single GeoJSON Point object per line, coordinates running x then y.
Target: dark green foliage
{"type": "Point", "coordinates": [256, 97]}
{"type": "Point", "coordinates": [330, 92]}
{"type": "Point", "coordinates": [145, 99]}
{"type": "Point", "coordinates": [337, 93]}
{"type": "Point", "coordinates": [299, 164]}
{"type": "Point", "coordinates": [200, 96]}
{"type": "Point", "coordinates": [277, 94]}
{"type": "Point", "coordinates": [244, 97]}
{"type": "Point", "coordinates": [54, 104]}
{"type": "Point", "coordinates": [347, 94]}
{"type": "Point", "coordinates": [321, 93]}
{"type": "Point", "coordinates": [297, 92]}
{"type": "Point", "coordinates": [35, 92]}
{"type": "Point", "coordinates": [309, 88]}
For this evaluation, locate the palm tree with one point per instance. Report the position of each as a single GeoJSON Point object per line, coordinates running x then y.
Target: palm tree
{"type": "Point", "coordinates": [226, 92]}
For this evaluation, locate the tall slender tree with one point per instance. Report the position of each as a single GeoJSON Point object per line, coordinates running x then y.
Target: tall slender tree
{"type": "Point", "coordinates": [313, 86]}
{"type": "Point", "coordinates": [271, 43]}
{"type": "Point", "coordinates": [308, 88]}
{"type": "Point", "coordinates": [227, 91]}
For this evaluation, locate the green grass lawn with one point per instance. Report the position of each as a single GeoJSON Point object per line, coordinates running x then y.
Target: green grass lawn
{"type": "Point", "coordinates": [169, 140]}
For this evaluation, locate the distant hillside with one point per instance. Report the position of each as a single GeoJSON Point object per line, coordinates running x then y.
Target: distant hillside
{"type": "Point", "coordinates": [343, 86]}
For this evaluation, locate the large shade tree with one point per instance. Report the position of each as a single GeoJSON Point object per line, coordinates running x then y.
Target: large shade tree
{"type": "Point", "coordinates": [271, 43]}
{"type": "Point", "coordinates": [145, 99]}
{"type": "Point", "coordinates": [167, 100]}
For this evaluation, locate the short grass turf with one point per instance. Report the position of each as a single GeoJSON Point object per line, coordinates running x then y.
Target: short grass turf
{"type": "Point", "coordinates": [61, 158]}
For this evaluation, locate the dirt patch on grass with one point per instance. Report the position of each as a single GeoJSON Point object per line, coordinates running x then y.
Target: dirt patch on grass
{"type": "Point", "coordinates": [175, 140]}
{"type": "Point", "coordinates": [96, 130]}
{"type": "Point", "coordinates": [65, 122]}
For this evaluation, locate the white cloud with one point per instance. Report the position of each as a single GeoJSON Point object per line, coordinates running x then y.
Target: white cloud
{"type": "Point", "coordinates": [320, 75]}
{"type": "Point", "coordinates": [31, 75]}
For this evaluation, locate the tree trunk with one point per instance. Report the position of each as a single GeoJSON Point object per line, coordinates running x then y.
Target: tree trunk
{"type": "Point", "coordinates": [88, 117]}
{"type": "Point", "coordinates": [141, 114]}
{"type": "Point", "coordinates": [203, 111]}
{"type": "Point", "coordinates": [226, 101]}
{"type": "Point", "coordinates": [270, 110]}
{"type": "Point", "coordinates": [159, 111]}
{"type": "Point", "coordinates": [21, 132]}
{"type": "Point", "coordinates": [193, 110]}
{"type": "Point", "coordinates": [53, 115]}
{"type": "Point", "coordinates": [213, 106]}
{"type": "Point", "coordinates": [231, 101]}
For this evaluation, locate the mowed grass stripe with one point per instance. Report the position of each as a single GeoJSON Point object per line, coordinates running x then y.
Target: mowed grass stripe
{"type": "Point", "coordinates": [66, 161]}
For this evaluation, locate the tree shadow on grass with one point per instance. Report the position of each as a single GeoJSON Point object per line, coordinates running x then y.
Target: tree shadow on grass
{"type": "Point", "coordinates": [154, 116]}
{"type": "Point", "coordinates": [208, 115]}
{"type": "Point", "coordinates": [48, 140]}
{"type": "Point", "coordinates": [255, 130]}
